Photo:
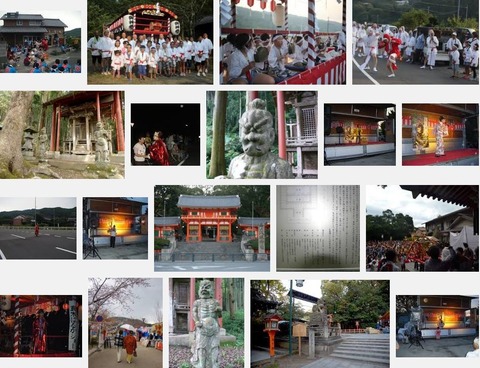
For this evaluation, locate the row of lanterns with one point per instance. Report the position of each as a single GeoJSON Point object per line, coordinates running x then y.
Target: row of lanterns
{"type": "Point", "coordinates": [263, 4]}
{"type": "Point", "coordinates": [278, 10]}
{"type": "Point", "coordinates": [6, 304]}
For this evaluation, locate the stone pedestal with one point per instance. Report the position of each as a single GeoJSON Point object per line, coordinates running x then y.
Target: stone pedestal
{"type": "Point", "coordinates": [262, 257]}
{"type": "Point", "coordinates": [311, 343]}
{"type": "Point", "coordinates": [166, 255]}
{"type": "Point", "coordinates": [249, 255]}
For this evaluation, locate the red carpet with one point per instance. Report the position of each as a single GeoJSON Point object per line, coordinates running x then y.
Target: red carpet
{"type": "Point", "coordinates": [430, 159]}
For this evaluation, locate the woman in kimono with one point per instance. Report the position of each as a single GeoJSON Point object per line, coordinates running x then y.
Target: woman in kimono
{"type": "Point", "coordinates": [441, 130]}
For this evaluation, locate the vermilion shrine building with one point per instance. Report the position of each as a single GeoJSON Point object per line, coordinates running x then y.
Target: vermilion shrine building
{"type": "Point", "coordinates": [74, 118]}
{"type": "Point", "coordinates": [214, 214]}
{"type": "Point", "coordinates": [250, 225]}
{"type": "Point", "coordinates": [166, 226]}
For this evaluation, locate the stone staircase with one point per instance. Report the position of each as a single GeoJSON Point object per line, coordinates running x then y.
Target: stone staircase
{"type": "Point", "coordinates": [364, 347]}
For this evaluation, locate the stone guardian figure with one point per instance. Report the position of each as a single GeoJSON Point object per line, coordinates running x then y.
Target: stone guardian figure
{"type": "Point", "coordinates": [102, 153]}
{"type": "Point", "coordinates": [257, 135]}
{"type": "Point", "coordinates": [205, 314]}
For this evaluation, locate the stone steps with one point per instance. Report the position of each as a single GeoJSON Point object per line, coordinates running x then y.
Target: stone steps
{"type": "Point", "coordinates": [367, 349]}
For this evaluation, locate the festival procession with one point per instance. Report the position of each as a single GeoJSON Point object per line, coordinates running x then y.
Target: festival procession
{"type": "Point", "coordinates": [414, 44]}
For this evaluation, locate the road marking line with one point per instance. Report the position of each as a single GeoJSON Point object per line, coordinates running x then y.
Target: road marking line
{"type": "Point", "coordinates": [46, 234]}
{"type": "Point", "coordinates": [2, 256]}
{"type": "Point", "coordinates": [18, 236]}
{"type": "Point", "coordinates": [66, 250]}
{"type": "Point", "coordinates": [71, 238]}
{"type": "Point", "coordinates": [365, 73]}
{"type": "Point", "coordinates": [57, 236]}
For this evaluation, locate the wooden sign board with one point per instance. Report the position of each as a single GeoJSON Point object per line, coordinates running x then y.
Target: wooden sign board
{"type": "Point", "coordinates": [300, 330]}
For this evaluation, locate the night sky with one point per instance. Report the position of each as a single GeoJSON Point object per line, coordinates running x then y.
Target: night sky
{"type": "Point", "coordinates": [181, 119]}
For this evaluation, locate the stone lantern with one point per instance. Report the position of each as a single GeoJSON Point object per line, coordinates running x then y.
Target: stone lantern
{"type": "Point", "coordinates": [27, 148]}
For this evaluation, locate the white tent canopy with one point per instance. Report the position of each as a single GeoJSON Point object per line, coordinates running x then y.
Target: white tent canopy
{"type": "Point", "coordinates": [464, 236]}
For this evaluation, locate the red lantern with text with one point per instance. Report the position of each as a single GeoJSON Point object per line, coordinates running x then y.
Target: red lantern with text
{"type": "Point", "coordinates": [273, 5]}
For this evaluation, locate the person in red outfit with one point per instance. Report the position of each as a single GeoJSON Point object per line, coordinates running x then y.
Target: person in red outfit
{"type": "Point", "coordinates": [392, 48]}
{"type": "Point", "coordinates": [158, 151]}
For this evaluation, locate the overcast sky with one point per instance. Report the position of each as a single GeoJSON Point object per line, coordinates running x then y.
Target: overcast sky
{"type": "Point", "coordinates": [71, 18]}
{"type": "Point", "coordinates": [421, 209]}
{"type": "Point", "coordinates": [145, 301]}
{"type": "Point", "coordinates": [13, 204]}
{"type": "Point", "coordinates": [324, 8]}
{"type": "Point", "coordinates": [310, 287]}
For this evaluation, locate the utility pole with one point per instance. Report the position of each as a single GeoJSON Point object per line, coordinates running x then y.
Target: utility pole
{"type": "Point", "coordinates": [458, 9]}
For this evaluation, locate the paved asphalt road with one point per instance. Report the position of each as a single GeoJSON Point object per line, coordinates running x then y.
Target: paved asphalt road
{"type": "Point", "coordinates": [107, 358]}
{"type": "Point", "coordinates": [406, 74]}
{"type": "Point", "coordinates": [212, 266]}
{"type": "Point", "coordinates": [50, 244]}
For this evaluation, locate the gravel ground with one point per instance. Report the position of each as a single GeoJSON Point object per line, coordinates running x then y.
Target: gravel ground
{"type": "Point", "coordinates": [230, 357]}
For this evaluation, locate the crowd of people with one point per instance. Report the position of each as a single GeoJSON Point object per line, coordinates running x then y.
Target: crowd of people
{"type": "Point", "coordinates": [160, 151]}
{"type": "Point", "coordinates": [34, 58]}
{"type": "Point", "coordinates": [413, 46]}
{"type": "Point", "coordinates": [265, 59]}
{"type": "Point", "coordinates": [394, 255]}
{"type": "Point", "coordinates": [149, 57]}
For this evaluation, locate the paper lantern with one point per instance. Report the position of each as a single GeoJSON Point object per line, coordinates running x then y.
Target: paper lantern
{"type": "Point", "coordinates": [263, 4]}
{"type": "Point", "coordinates": [65, 306]}
{"type": "Point", "coordinates": [250, 2]}
{"type": "Point", "coordinates": [273, 5]}
{"type": "Point", "coordinates": [278, 16]}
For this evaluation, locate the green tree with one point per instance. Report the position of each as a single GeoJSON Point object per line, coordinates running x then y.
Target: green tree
{"type": "Point", "coordinates": [462, 22]}
{"type": "Point", "coordinates": [414, 18]}
{"type": "Point", "coordinates": [356, 300]}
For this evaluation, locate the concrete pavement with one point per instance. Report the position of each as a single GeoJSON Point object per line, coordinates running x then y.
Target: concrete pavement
{"type": "Point", "coordinates": [445, 347]}
{"type": "Point", "coordinates": [237, 266]}
{"type": "Point", "coordinates": [129, 251]}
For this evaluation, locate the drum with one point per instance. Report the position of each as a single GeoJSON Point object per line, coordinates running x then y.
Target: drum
{"type": "Point", "coordinates": [261, 55]}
